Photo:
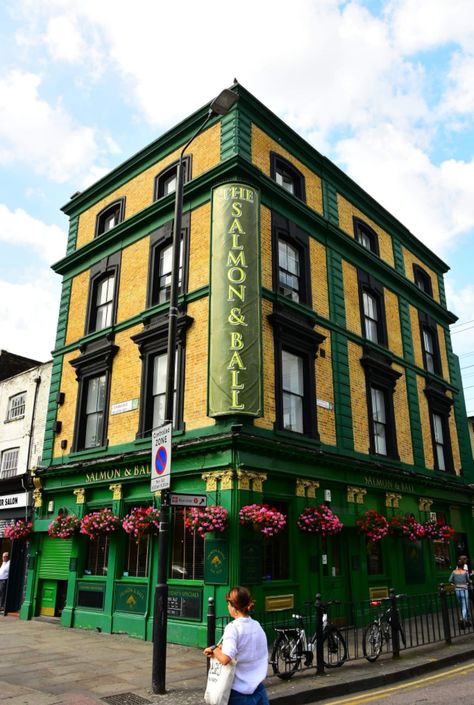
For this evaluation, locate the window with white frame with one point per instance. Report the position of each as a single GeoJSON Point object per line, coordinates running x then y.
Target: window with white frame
{"type": "Point", "coordinates": [379, 420]}
{"type": "Point", "coordinates": [439, 442]}
{"type": "Point", "coordinates": [293, 391]}
{"type": "Point", "coordinates": [9, 462]}
{"type": "Point", "coordinates": [16, 407]}
{"type": "Point", "coordinates": [288, 270]}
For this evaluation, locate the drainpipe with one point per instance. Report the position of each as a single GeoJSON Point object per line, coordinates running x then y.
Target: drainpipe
{"type": "Point", "coordinates": [37, 381]}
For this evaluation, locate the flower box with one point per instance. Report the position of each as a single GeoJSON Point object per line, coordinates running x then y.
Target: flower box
{"type": "Point", "coordinates": [262, 518]}
{"type": "Point", "coordinates": [19, 530]}
{"type": "Point", "coordinates": [373, 524]}
{"type": "Point", "coordinates": [64, 526]}
{"type": "Point", "coordinates": [141, 522]}
{"type": "Point", "coordinates": [213, 518]}
{"type": "Point", "coordinates": [319, 520]}
{"type": "Point", "coordinates": [100, 523]}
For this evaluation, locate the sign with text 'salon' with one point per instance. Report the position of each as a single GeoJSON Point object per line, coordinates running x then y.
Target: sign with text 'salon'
{"type": "Point", "coordinates": [235, 384]}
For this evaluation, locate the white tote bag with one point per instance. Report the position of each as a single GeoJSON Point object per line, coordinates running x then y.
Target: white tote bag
{"type": "Point", "coordinates": [219, 682]}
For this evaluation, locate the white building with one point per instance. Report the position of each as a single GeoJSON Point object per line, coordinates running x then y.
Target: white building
{"type": "Point", "coordinates": [23, 408]}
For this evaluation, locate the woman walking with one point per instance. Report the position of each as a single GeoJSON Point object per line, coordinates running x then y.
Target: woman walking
{"type": "Point", "coordinates": [460, 579]}
{"type": "Point", "coordinates": [244, 640]}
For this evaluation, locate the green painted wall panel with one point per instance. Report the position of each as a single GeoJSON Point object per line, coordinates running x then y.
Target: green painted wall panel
{"type": "Point", "coordinates": [398, 256]}
{"type": "Point", "coordinates": [330, 207]}
{"type": "Point", "coordinates": [415, 420]}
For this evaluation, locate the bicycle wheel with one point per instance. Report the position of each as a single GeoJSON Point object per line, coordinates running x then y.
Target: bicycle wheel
{"type": "Point", "coordinates": [286, 656]}
{"type": "Point", "coordinates": [372, 641]}
{"type": "Point", "coordinates": [334, 648]}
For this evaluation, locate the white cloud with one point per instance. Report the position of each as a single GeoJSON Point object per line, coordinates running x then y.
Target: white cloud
{"type": "Point", "coordinates": [20, 229]}
{"type": "Point", "coordinates": [436, 202]}
{"type": "Point", "coordinates": [28, 316]}
{"type": "Point", "coordinates": [64, 39]}
{"type": "Point", "coordinates": [36, 133]}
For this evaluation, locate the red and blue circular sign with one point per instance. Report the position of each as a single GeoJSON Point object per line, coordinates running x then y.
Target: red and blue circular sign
{"type": "Point", "coordinates": [161, 459]}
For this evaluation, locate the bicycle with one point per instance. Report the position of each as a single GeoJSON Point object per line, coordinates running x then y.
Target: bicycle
{"type": "Point", "coordinates": [292, 645]}
{"type": "Point", "coordinates": [379, 631]}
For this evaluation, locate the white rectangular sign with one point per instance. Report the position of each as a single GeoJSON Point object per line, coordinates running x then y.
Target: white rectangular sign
{"type": "Point", "coordinates": [188, 500]}
{"type": "Point", "coordinates": [161, 458]}
{"type": "Point", "coordinates": [10, 501]}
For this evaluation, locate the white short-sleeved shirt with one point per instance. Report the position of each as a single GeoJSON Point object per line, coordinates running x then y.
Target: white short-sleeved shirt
{"type": "Point", "coordinates": [245, 641]}
{"type": "Point", "coordinates": [4, 569]}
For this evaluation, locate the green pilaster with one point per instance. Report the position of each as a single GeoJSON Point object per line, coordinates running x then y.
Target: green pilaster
{"type": "Point", "coordinates": [415, 420]}
{"type": "Point", "coordinates": [405, 325]}
{"type": "Point", "coordinates": [67, 615]}
{"type": "Point", "coordinates": [398, 256]}
{"type": "Point", "coordinates": [460, 415]}
{"type": "Point", "coordinates": [442, 292]}
{"type": "Point", "coordinates": [56, 374]}
{"type": "Point", "coordinates": [340, 357]}
{"type": "Point", "coordinates": [331, 211]}
{"type": "Point", "coordinates": [236, 135]}
{"type": "Point", "coordinates": [72, 235]}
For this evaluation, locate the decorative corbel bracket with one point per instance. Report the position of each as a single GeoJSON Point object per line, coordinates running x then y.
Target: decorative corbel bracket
{"type": "Point", "coordinates": [306, 488]}
{"type": "Point", "coordinates": [355, 495]}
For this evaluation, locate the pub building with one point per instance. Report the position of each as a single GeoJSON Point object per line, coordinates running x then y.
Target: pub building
{"type": "Point", "coordinates": [314, 366]}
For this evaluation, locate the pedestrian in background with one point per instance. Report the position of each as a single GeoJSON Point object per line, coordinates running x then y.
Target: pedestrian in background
{"type": "Point", "coordinates": [4, 572]}
{"type": "Point", "coordinates": [243, 640]}
{"type": "Point", "coordinates": [460, 579]}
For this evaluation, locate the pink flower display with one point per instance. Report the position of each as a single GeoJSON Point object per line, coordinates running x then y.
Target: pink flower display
{"type": "Point", "coordinates": [373, 524]}
{"type": "Point", "coordinates": [438, 531]}
{"type": "Point", "coordinates": [141, 522]}
{"type": "Point", "coordinates": [267, 520]}
{"type": "Point", "coordinates": [407, 526]}
{"type": "Point", "coordinates": [213, 518]}
{"type": "Point", "coordinates": [20, 530]}
{"type": "Point", "coordinates": [64, 526]}
{"type": "Point", "coordinates": [100, 523]}
{"type": "Point", "coordinates": [319, 520]}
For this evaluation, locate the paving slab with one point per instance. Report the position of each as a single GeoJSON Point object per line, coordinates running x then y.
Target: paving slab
{"type": "Point", "coordinates": [44, 663]}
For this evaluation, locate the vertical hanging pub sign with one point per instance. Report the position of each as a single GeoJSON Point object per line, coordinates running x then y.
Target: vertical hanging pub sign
{"type": "Point", "coordinates": [234, 318]}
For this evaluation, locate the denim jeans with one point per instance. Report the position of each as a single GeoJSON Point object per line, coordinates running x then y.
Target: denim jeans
{"type": "Point", "coordinates": [258, 697]}
{"type": "Point", "coordinates": [463, 596]}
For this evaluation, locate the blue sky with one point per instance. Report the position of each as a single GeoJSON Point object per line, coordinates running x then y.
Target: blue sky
{"type": "Point", "coordinates": [384, 88]}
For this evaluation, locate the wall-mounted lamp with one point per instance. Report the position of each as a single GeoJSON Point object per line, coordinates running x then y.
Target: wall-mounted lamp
{"type": "Point", "coordinates": [327, 495]}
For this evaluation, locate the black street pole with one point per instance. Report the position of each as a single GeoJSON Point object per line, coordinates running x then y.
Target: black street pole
{"type": "Point", "coordinates": [219, 106]}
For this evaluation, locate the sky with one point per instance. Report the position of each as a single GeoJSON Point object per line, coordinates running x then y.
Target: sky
{"type": "Point", "coordinates": [383, 88]}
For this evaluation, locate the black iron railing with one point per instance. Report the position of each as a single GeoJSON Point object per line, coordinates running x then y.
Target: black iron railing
{"type": "Point", "coordinates": [371, 628]}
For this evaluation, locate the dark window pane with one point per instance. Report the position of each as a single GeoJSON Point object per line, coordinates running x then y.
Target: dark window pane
{"type": "Point", "coordinates": [187, 551]}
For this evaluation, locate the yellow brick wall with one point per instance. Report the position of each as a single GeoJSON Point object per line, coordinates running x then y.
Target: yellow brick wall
{"type": "Point", "coordinates": [266, 247]}
{"type": "Point", "coordinates": [416, 338]}
{"type": "Point", "coordinates": [351, 297]}
{"type": "Point", "coordinates": [319, 277]}
{"type": "Point", "coordinates": [267, 421]}
{"type": "Point", "coordinates": [347, 211]}
{"type": "Point", "coordinates": [325, 391]}
{"type": "Point", "coordinates": [262, 145]}
{"type": "Point", "coordinates": [453, 432]}
{"type": "Point", "coordinates": [360, 421]}
{"type": "Point", "coordinates": [199, 247]}
{"type": "Point", "coordinates": [195, 387]}
{"type": "Point", "coordinates": [402, 418]}
{"type": "Point", "coordinates": [392, 315]}
{"type": "Point", "coordinates": [125, 385]}
{"type": "Point", "coordinates": [425, 422]}
{"type": "Point", "coordinates": [67, 411]}
{"type": "Point", "coordinates": [133, 279]}
{"type": "Point", "coordinates": [205, 154]}
{"type": "Point", "coordinates": [409, 260]}
{"type": "Point", "coordinates": [78, 307]}
{"type": "Point", "coordinates": [442, 352]}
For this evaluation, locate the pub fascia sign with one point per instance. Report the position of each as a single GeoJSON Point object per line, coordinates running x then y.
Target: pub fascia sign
{"type": "Point", "coordinates": [117, 474]}
{"type": "Point", "coordinates": [234, 320]}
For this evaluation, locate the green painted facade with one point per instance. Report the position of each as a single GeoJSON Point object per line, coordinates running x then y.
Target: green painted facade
{"type": "Point", "coordinates": [238, 460]}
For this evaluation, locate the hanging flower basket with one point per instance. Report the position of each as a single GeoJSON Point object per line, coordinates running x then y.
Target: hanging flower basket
{"type": "Point", "coordinates": [100, 523]}
{"type": "Point", "coordinates": [141, 522]}
{"type": "Point", "coordinates": [213, 518]}
{"type": "Point", "coordinates": [319, 520]}
{"type": "Point", "coordinates": [19, 530]}
{"type": "Point", "coordinates": [64, 526]}
{"type": "Point", "coordinates": [438, 531]}
{"type": "Point", "coordinates": [407, 526]}
{"type": "Point", "coordinates": [373, 524]}
{"type": "Point", "coordinates": [267, 520]}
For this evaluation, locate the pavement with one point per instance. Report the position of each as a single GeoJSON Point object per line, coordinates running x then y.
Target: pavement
{"type": "Point", "coordinates": [43, 663]}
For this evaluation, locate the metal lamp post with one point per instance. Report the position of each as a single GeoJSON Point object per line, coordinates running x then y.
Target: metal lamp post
{"type": "Point", "coordinates": [219, 106]}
